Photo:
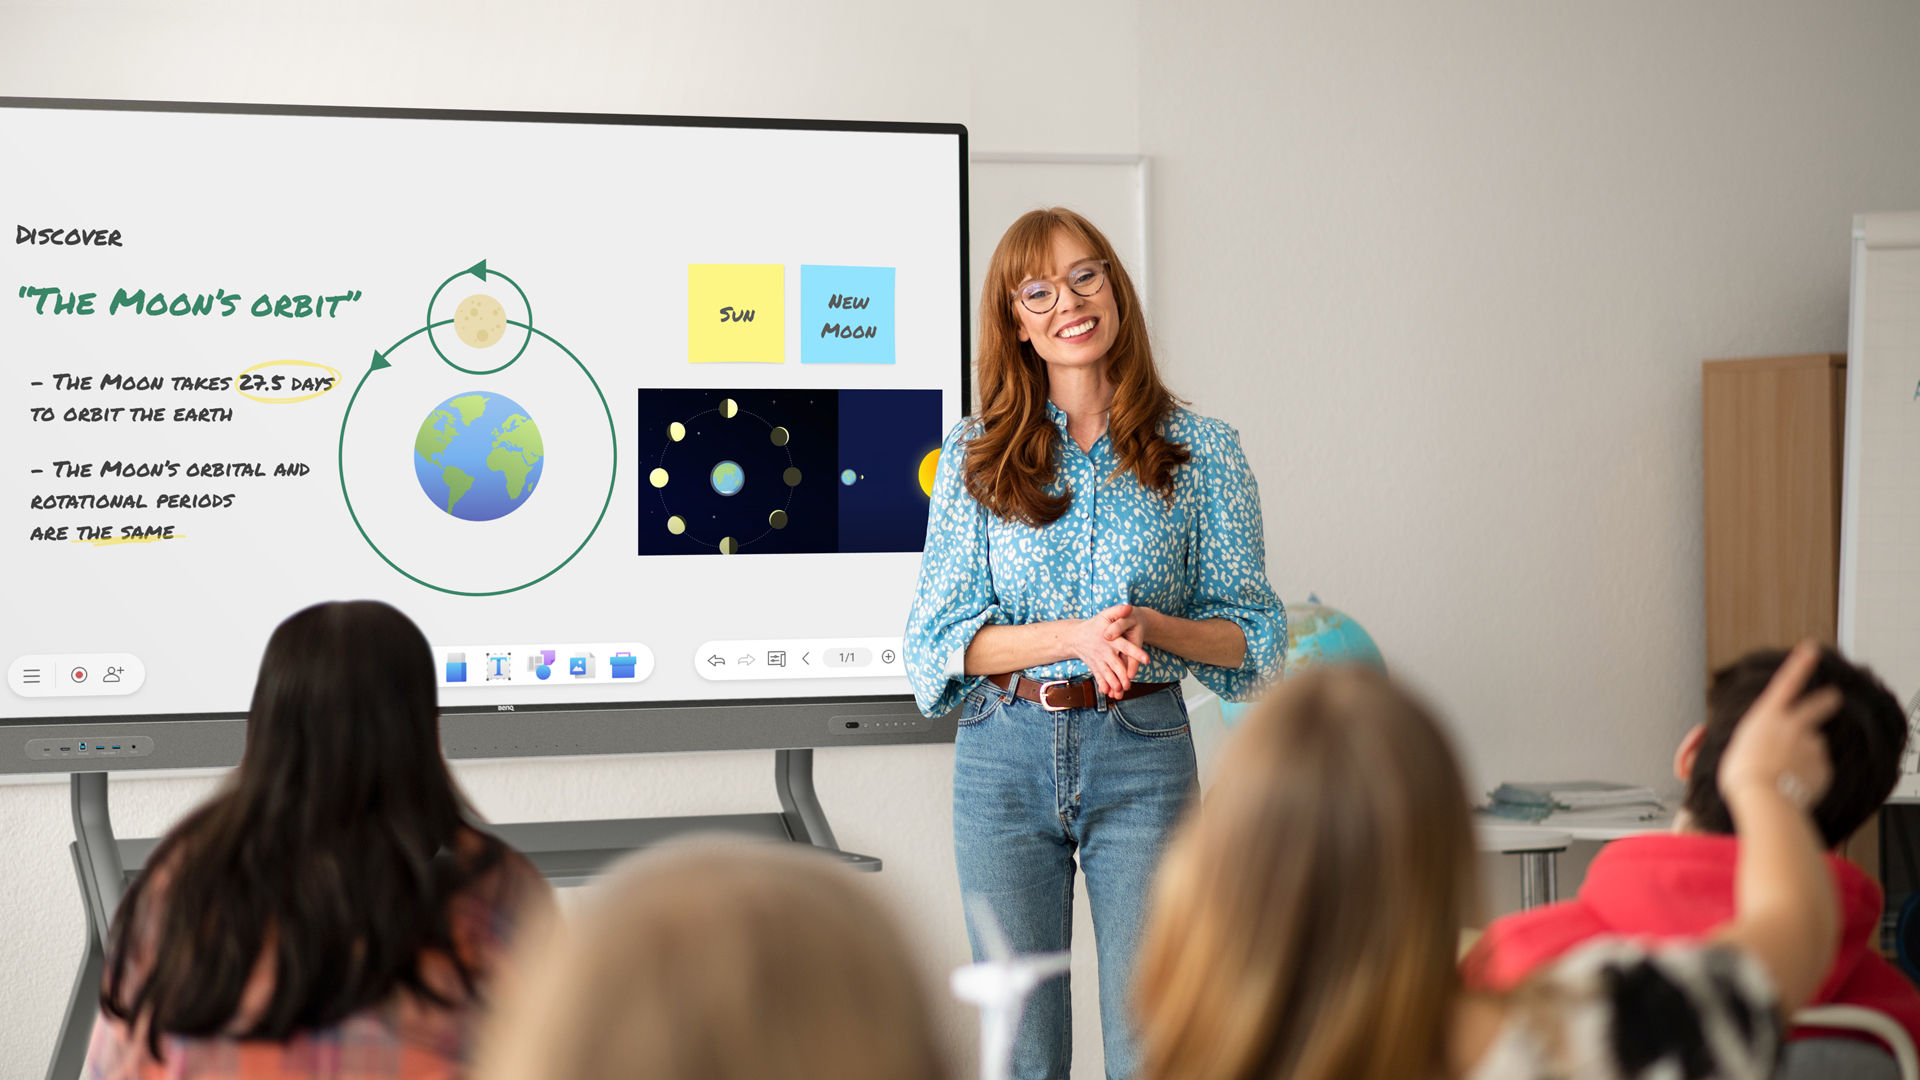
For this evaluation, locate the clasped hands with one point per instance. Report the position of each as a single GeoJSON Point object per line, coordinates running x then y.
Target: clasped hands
{"type": "Point", "coordinates": [1113, 646]}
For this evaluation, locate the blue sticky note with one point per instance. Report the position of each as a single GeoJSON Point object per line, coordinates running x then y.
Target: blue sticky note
{"type": "Point", "coordinates": [846, 314]}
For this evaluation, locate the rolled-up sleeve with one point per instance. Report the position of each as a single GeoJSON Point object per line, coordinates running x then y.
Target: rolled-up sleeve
{"type": "Point", "coordinates": [955, 597]}
{"type": "Point", "coordinates": [1230, 570]}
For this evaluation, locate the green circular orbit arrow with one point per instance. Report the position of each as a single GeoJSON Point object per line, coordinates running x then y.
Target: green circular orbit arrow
{"type": "Point", "coordinates": [527, 326]}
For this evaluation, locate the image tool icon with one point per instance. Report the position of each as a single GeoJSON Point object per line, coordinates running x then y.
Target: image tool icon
{"type": "Point", "coordinates": [580, 666]}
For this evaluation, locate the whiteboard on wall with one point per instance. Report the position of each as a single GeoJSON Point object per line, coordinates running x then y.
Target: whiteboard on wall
{"type": "Point", "coordinates": [1110, 190]}
{"type": "Point", "coordinates": [270, 355]}
{"type": "Point", "coordinates": [1880, 511]}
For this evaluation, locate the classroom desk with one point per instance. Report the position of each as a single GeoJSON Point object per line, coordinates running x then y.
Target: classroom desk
{"type": "Point", "coordinates": [1539, 847]}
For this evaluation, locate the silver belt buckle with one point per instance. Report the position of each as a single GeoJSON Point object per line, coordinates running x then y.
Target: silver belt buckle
{"type": "Point", "coordinates": [1046, 686]}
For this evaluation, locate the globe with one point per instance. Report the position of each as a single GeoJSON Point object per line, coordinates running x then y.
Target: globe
{"type": "Point", "coordinates": [1317, 636]}
{"type": "Point", "coordinates": [478, 456]}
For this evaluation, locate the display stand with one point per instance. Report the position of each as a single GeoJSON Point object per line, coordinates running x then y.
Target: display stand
{"type": "Point", "coordinates": [566, 852]}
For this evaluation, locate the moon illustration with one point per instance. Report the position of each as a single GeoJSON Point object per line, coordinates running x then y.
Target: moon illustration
{"type": "Point", "coordinates": [480, 321]}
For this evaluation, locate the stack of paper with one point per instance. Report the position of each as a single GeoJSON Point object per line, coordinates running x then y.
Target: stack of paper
{"type": "Point", "coordinates": [1574, 802]}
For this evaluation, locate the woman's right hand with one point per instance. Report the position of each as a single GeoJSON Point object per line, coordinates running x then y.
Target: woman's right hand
{"type": "Point", "coordinates": [1777, 745]}
{"type": "Point", "coordinates": [1110, 660]}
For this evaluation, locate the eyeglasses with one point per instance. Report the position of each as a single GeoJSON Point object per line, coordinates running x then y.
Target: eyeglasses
{"type": "Point", "coordinates": [1087, 279]}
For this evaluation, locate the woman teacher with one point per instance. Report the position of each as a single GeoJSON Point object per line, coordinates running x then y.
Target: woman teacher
{"type": "Point", "coordinates": [1089, 542]}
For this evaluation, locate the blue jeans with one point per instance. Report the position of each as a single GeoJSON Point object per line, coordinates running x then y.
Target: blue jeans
{"type": "Point", "coordinates": [1033, 788]}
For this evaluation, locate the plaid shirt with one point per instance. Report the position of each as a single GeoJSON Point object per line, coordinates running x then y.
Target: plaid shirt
{"type": "Point", "coordinates": [402, 1037]}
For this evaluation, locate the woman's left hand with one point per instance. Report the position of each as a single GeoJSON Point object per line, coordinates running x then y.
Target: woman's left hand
{"type": "Point", "coordinates": [1133, 627]}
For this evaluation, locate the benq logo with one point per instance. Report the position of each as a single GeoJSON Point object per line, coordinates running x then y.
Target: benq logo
{"type": "Point", "coordinates": [504, 708]}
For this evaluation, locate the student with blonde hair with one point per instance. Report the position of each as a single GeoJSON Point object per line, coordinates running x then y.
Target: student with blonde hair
{"type": "Point", "coordinates": [720, 961]}
{"type": "Point", "coordinates": [1305, 921]}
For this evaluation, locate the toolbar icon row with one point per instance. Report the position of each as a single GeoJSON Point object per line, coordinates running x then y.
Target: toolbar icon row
{"type": "Point", "coordinates": [798, 658]}
{"type": "Point", "coordinates": [517, 665]}
{"type": "Point", "coordinates": [76, 674]}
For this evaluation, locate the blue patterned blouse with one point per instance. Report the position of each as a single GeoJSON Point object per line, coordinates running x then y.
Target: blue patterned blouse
{"type": "Point", "coordinates": [1200, 556]}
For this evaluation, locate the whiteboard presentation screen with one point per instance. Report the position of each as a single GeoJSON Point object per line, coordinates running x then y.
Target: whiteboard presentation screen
{"type": "Point", "coordinates": [621, 411]}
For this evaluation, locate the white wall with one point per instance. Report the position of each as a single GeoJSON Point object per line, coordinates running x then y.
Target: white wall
{"type": "Point", "coordinates": [1450, 268]}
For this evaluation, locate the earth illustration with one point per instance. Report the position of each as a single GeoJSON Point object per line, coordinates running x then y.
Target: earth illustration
{"type": "Point", "coordinates": [478, 456]}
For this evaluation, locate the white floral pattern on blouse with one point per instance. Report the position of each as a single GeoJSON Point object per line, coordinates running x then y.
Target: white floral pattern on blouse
{"type": "Point", "coordinates": [1200, 555]}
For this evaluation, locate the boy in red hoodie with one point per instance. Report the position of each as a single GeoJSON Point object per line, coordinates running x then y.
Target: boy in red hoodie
{"type": "Point", "coordinates": [1680, 885]}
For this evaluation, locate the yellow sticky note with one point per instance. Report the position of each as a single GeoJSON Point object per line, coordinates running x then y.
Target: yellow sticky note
{"type": "Point", "coordinates": [735, 313]}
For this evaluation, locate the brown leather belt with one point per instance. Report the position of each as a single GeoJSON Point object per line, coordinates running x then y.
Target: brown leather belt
{"type": "Point", "coordinates": [1057, 695]}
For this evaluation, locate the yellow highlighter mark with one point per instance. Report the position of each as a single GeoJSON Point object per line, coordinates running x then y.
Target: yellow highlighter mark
{"type": "Point", "coordinates": [307, 381]}
{"type": "Point", "coordinates": [168, 535]}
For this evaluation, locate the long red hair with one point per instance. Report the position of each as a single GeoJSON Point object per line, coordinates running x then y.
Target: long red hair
{"type": "Point", "coordinates": [1011, 461]}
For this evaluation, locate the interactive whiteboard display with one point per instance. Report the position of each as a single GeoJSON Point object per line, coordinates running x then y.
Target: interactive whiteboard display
{"type": "Point", "coordinates": [622, 411]}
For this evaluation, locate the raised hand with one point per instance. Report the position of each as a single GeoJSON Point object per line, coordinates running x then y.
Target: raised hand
{"type": "Point", "coordinates": [1777, 745]}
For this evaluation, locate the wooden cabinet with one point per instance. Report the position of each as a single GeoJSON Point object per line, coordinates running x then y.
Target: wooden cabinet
{"type": "Point", "coordinates": [1772, 430]}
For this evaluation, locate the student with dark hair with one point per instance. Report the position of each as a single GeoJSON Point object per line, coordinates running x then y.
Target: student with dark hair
{"type": "Point", "coordinates": [334, 910]}
{"type": "Point", "coordinates": [1681, 885]}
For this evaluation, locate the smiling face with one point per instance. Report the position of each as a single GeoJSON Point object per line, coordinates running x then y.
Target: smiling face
{"type": "Point", "coordinates": [1079, 330]}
